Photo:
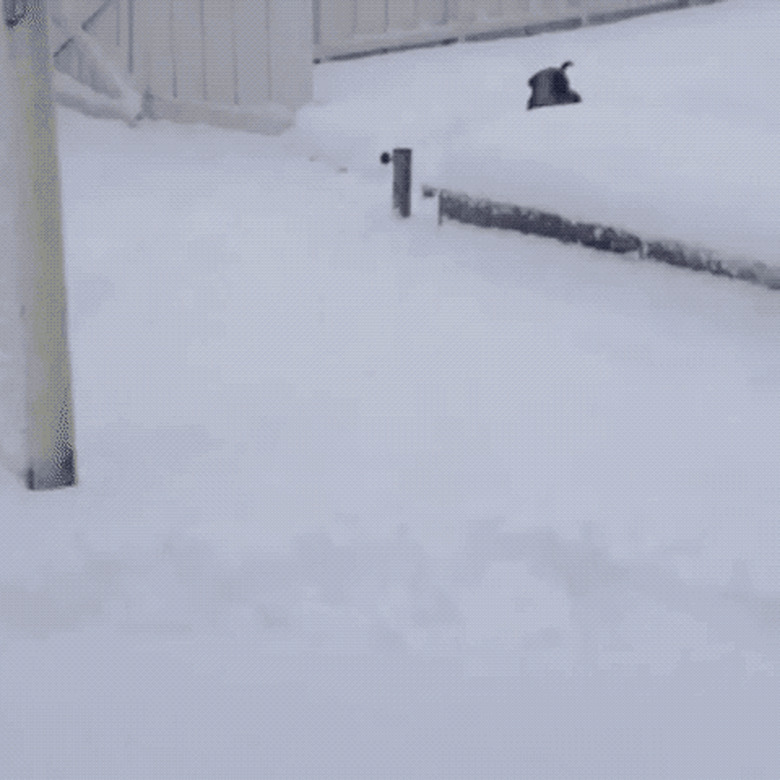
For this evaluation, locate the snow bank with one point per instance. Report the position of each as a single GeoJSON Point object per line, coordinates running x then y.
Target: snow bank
{"type": "Point", "coordinates": [486, 213]}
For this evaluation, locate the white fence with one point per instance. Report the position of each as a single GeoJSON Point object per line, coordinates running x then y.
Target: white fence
{"type": "Point", "coordinates": [351, 27]}
{"type": "Point", "coordinates": [248, 63]}
{"type": "Point", "coordinates": [207, 60]}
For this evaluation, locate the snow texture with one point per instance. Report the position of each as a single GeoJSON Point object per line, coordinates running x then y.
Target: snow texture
{"type": "Point", "coordinates": [369, 497]}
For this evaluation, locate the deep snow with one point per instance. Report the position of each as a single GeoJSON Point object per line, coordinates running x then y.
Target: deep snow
{"type": "Point", "coordinates": [675, 137]}
{"type": "Point", "coordinates": [362, 497]}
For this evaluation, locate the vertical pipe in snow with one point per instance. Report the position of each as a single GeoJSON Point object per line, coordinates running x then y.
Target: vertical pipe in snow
{"type": "Point", "coordinates": [30, 211]}
{"type": "Point", "coordinates": [402, 182]}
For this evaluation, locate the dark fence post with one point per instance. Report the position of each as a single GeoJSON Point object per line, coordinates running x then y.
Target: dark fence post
{"type": "Point", "coordinates": [402, 179]}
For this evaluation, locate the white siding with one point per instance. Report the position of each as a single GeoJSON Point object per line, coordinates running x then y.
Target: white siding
{"type": "Point", "coordinates": [211, 57]}
{"type": "Point", "coordinates": [186, 37]}
{"type": "Point", "coordinates": [290, 32]}
{"type": "Point", "coordinates": [254, 54]}
{"type": "Point", "coordinates": [345, 27]}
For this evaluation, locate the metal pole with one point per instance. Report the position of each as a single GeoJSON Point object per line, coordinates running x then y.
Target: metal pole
{"type": "Point", "coordinates": [402, 181]}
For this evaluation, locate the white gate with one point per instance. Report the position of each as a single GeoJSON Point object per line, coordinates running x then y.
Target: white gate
{"type": "Point", "coordinates": [235, 62]}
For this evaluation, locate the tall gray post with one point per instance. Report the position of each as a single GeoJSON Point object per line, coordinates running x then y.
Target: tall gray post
{"type": "Point", "coordinates": [32, 240]}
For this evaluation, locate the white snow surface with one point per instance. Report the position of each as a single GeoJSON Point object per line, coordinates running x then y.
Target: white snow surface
{"type": "Point", "coordinates": [367, 497]}
{"type": "Point", "coordinates": [676, 136]}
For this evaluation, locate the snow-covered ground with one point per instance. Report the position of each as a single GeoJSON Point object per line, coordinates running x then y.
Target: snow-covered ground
{"type": "Point", "coordinates": [363, 497]}
{"type": "Point", "coordinates": [676, 135]}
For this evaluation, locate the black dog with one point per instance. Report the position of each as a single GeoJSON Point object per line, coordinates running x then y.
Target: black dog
{"type": "Point", "coordinates": [550, 87]}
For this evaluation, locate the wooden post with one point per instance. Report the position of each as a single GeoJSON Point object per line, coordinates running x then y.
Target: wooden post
{"type": "Point", "coordinates": [32, 240]}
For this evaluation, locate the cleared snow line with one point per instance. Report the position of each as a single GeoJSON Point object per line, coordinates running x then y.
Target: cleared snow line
{"type": "Point", "coordinates": [483, 212]}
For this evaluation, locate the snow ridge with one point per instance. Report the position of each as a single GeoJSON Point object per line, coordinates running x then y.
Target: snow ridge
{"type": "Point", "coordinates": [487, 213]}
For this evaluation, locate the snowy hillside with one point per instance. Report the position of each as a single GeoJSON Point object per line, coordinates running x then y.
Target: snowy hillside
{"type": "Point", "coordinates": [362, 497]}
